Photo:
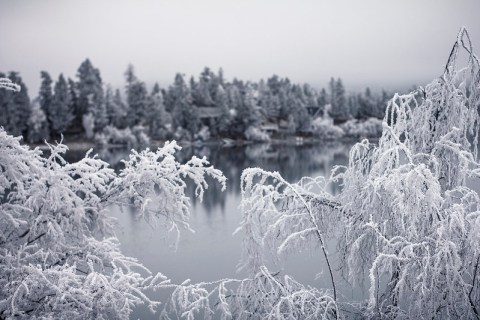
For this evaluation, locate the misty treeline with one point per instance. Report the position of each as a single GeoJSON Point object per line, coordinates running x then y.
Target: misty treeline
{"type": "Point", "coordinates": [189, 109]}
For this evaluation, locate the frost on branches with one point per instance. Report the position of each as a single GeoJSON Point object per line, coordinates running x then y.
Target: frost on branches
{"type": "Point", "coordinates": [412, 223]}
{"type": "Point", "coordinates": [58, 255]}
{"type": "Point", "coordinates": [410, 220]}
{"type": "Point", "coordinates": [7, 84]}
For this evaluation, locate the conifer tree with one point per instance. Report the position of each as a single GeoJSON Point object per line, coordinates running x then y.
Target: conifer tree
{"type": "Point", "coordinates": [157, 119]}
{"type": "Point", "coordinates": [46, 94]}
{"type": "Point", "coordinates": [90, 92]}
{"type": "Point", "coordinates": [136, 92]}
{"type": "Point", "coordinates": [339, 111]}
{"type": "Point", "coordinates": [184, 113]}
{"type": "Point", "coordinates": [221, 102]}
{"type": "Point", "coordinates": [15, 107]}
{"type": "Point", "coordinates": [60, 113]}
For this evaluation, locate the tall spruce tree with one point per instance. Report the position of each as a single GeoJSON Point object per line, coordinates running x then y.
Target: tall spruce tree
{"type": "Point", "coordinates": [45, 95]}
{"type": "Point", "coordinates": [184, 113]}
{"type": "Point", "coordinates": [90, 92]}
{"type": "Point", "coordinates": [116, 108]}
{"type": "Point", "coordinates": [137, 94]}
{"type": "Point", "coordinates": [339, 111]}
{"type": "Point", "coordinates": [60, 113]}
{"type": "Point", "coordinates": [221, 101]}
{"type": "Point", "coordinates": [158, 119]}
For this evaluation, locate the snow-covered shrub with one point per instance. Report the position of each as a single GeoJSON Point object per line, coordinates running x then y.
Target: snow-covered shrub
{"type": "Point", "coordinates": [256, 134]}
{"type": "Point", "coordinates": [141, 136]}
{"type": "Point", "coordinates": [59, 257]}
{"type": "Point", "coordinates": [131, 137]}
{"type": "Point", "coordinates": [324, 129]}
{"type": "Point", "coordinates": [369, 128]}
{"type": "Point", "coordinates": [182, 134]}
{"type": "Point", "coordinates": [203, 134]}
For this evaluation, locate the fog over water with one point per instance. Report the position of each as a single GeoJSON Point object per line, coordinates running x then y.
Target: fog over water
{"type": "Point", "coordinates": [381, 44]}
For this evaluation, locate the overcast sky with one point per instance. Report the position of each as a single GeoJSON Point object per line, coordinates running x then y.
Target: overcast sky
{"type": "Point", "coordinates": [377, 43]}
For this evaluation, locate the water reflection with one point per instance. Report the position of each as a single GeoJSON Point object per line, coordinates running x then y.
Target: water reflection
{"type": "Point", "coordinates": [293, 162]}
{"type": "Point", "coordinates": [212, 252]}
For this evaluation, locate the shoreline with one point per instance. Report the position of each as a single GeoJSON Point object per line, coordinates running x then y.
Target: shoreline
{"type": "Point", "coordinates": [226, 143]}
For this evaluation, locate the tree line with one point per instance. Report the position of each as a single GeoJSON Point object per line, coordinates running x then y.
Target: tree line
{"type": "Point", "coordinates": [87, 108]}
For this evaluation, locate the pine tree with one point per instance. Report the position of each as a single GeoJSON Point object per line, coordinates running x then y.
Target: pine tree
{"type": "Point", "coordinates": [90, 93]}
{"type": "Point", "coordinates": [158, 120]}
{"type": "Point", "coordinates": [136, 92]}
{"type": "Point", "coordinates": [115, 108]}
{"type": "Point", "coordinates": [338, 100]}
{"type": "Point", "coordinates": [15, 107]}
{"type": "Point", "coordinates": [271, 105]}
{"type": "Point", "coordinates": [46, 95]}
{"type": "Point", "coordinates": [184, 113]}
{"type": "Point", "coordinates": [4, 97]}
{"type": "Point", "coordinates": [202, 91]}
{"type": "Point", "coordinates": [221, 101]}
{"type": "Point", "coordinates": [247, 112]}
{"type": "Point", "coordinates": [60, 113]}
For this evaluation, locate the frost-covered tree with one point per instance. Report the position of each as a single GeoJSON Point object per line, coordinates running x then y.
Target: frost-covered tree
{"type": "Point", "coordinates": [271, 105]}
{"type": "Point", "coordinates": [221, 101]}
{"type": "Point", "coordinates": [136, 93]}
{"type": "Point", "coordinates": [409, 215]}
{"type": "Point", "coordinates": [157, 119]}
{"type": "Point", "coordinates": [412, 220]}
{"type": "Point", "coordinates": [59, 257]}
{"type": "Point", "coordinates": [37, 124]}
{"type": "Point", "coordinates": [60, 114]}
{"type": "Point", "coordinates": [184, 114]}
{"type": "Point", "coordinates": [7, 84]}
{"type": "Point", "coordinates": [15, 106]}
{"type": "Point", "coordinates": [45, 94]}
{"type": "Point", "coordinates": [115, 107]}
{"type": "Point", "coordinates": [246, 110]}
{"type": "Point", "coordinates": [90, 93]}
{"type": "Point", "coordinates": [201, 91]}
{"type": "Point", "coordinates": [338, 101]}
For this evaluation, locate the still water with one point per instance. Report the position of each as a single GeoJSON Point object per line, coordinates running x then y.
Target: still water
{"type": "Point", "coordinates": [212, 252]}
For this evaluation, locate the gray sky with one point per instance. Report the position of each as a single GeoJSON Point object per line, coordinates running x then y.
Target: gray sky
{"type": "Point", "coordinates": [377, 43]}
